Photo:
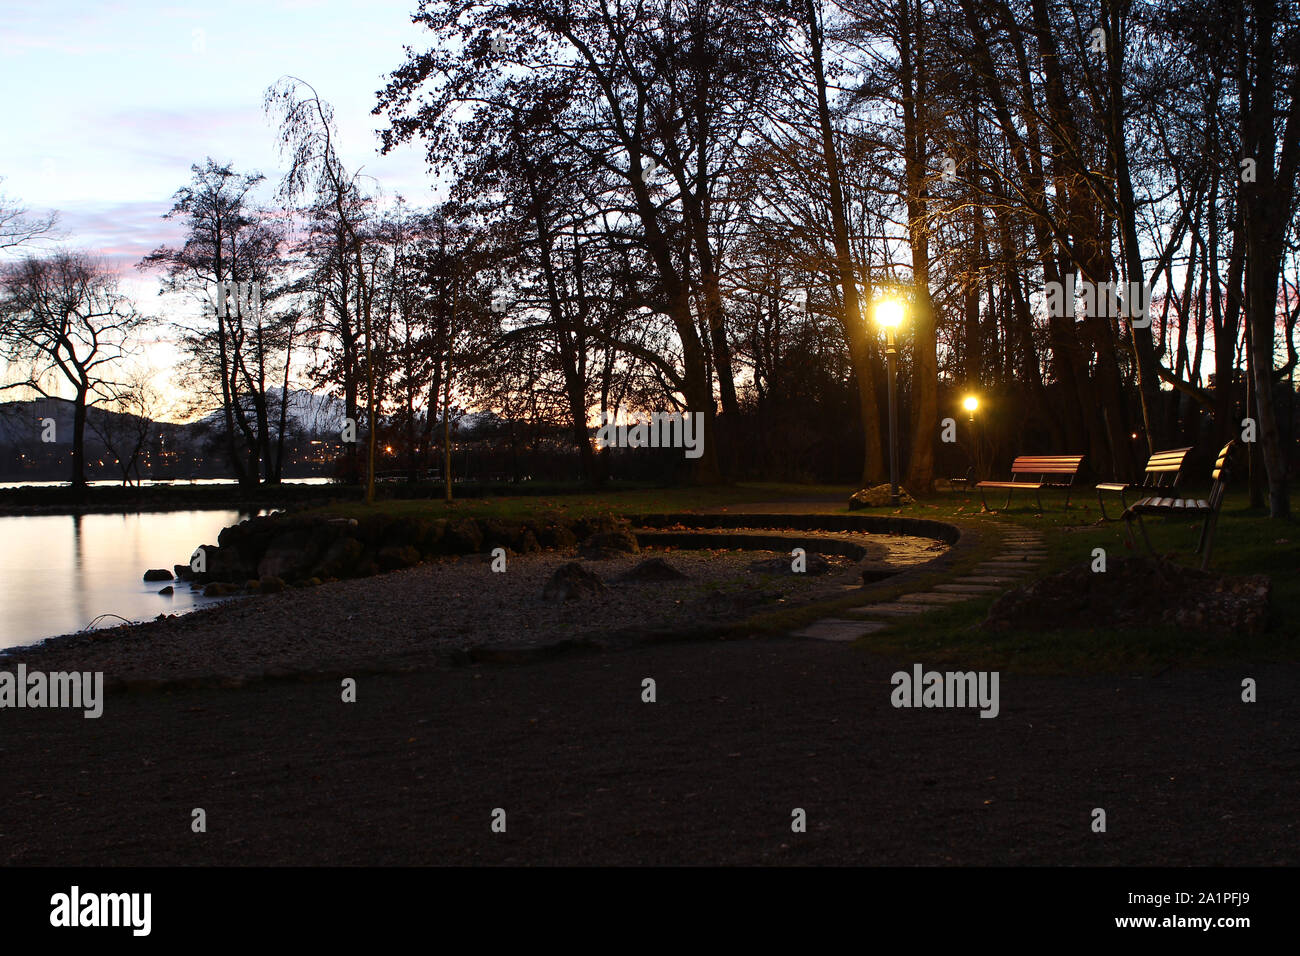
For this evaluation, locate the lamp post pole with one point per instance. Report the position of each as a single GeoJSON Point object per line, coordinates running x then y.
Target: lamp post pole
{"type": "Point", "coordinates": [971, 403]}
{"type": "Point", "coordinates": [891, 353]}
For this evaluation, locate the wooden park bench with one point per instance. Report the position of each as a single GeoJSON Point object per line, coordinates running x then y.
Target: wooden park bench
{"type": "Point", "coordinates": [1162, 471]}
{"type": "Point", "coordinates": [1206, 509]}
{"type": "Point", "coordinates": [1052, 472]}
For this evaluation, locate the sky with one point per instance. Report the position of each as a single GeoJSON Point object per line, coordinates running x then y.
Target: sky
{"type": "Point", "coordinates": [107, 105]}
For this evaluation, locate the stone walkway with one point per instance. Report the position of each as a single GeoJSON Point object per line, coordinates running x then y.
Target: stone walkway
{"type": "Point", "coordinates": [1023, 551]}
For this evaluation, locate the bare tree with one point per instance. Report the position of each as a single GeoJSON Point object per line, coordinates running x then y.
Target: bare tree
{"type": "Point", "coordinates": [307, 134]}
{"type": "Point", "coordinates": [18, 227]}
{"type": "Point", "coordinates": [125, 422]}
{"type": "Point", "coordinates": [63, 321]}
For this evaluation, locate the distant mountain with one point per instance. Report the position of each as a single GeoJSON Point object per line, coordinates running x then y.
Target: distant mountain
{"type": "Point", "coordinates": [308, 412]}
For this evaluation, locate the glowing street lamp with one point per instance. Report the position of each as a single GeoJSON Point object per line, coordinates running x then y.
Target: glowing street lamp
{"type": "Point", "coordinates": [972, 403]}
{"type": "Point", "coordinates": [889, 314]}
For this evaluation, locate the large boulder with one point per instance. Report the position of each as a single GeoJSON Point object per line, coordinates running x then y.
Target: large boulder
{"type": "Point", "coordinates": [462, 536]}
{"type": "Point", "coordinates": [289, 555]}
{"type": "Point", "coordinates": [157, 574]}
{"type": "Point", "coordinates": [512, 535]}
{"type": "Point", "coordinates": [877, 496]}
{"type": "Point", "coordinates": [652, 570]}
{"type": "Point", "coordinates": [610, 544]}
{"type": "Point", "coordinates": [223, 564]}
{"type": "Point", "coordinates": [813, 564]}
{"type": "Point", "coordinates": [557, 536]}
{"type": "Point", "coordinates": [394, 558]}
{"type": "Point", "coordinates": [572, 582]}
{"type": "Point", "coordinates": [340, 559]}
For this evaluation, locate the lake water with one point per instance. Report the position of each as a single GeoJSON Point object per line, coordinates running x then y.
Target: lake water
{"type": "Point", "coordinates": [59, 572]}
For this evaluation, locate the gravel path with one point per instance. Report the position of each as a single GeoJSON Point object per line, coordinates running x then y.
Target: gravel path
{"type": "Point", "coordinates": [741, 734]}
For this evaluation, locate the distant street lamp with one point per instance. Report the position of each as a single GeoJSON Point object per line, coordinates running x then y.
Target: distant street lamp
{"type": "Point", "coordinates": [971, 404]}
{"type": "Point", "coordinates": [889, 314]}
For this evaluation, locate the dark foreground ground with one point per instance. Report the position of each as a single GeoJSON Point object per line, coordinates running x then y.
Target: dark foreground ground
{"type": "Point", "coordinates": [742, 733]}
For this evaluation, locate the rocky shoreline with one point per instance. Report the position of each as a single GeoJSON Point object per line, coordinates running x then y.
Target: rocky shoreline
{"type": "Point", "coordinates": [479, 604]}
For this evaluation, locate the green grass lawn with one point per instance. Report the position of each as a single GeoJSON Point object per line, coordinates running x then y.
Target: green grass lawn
{"type": "Point", "coordinates": [583, 503]}
{"type": "Point", "coordinates": [1247, 542]}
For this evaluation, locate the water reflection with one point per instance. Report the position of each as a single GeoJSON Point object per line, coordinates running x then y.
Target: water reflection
{"type": "Point", "coordinates": [59, 572]}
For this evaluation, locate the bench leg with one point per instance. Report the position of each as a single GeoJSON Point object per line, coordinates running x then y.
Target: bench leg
{"type": "Point", "coordinates": [984, 500]}
{"type": "Point", "coordinates": [1008, 504]}
{"type": "Point", "coordinates": [1207, 536]}
{"type": "Point", "coordinates": [1146, 538]}
{"type": "Point", "coordinates": [1205, 527]}
{"type": "Point", "coordinates": [1101, 503]}
{"type": "Point", "coordinates": [1039, 495]}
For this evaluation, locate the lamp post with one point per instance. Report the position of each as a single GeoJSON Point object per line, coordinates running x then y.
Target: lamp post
{"type": "Point", "coordinates": [889, 313]}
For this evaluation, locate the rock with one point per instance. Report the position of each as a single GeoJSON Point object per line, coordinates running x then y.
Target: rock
{"type": "Point", "coordinates": [224, 564]}
{"type": "Point", "coordinates": [516, 537]}
{"type": "Point", "coordinates": [877, 496]}
{"type": "Point", "coordinates": [814, 564]}
{"type": "Point", "coordinates": [271, 585]}
{"type": "Point", "coordinates": [610, 544]}
{"type": "Point", "coordinates": [220, 589]}
{"type": "Point", "coordinates": [393, 558]}
{"type": "Point", "coordinates": [653, 569]}
{"type": "Point", "coordinates": [1137, 593]}
{"type": "Point", "coordinates": [183, 572]}
{"type": "Point", "coordinates": [461, 536]}
{"type": "Point", "coordinates": [168, 591]}
{"type": "Point", "coordinates": [591, 525]}
{"type": "Point", "coordinates": [572, 582]}
{"type": "Point", "coordinates": [339, 560]}
{"type": "Point", "coordinates": [157, 574]}
{"type": "Point", "coordinates": [288, 556]}
{"type": "Point", "coordinates": [557, 536]}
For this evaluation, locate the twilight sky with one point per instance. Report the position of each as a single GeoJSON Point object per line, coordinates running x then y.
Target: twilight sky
{"type": "Point", "coordinates": [107, 104]}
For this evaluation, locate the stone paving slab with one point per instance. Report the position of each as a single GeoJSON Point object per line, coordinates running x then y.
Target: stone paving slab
{"type": "Point", "coordinates": [969, 588]}
{"type": "Point", "coordinates": [932, 597]}
{"type": "Point", "coordinates": [834, 629]}
{"type": "Point", "coordinates": [889, 609]}
{"type": "Point", "coordinates": [986, 579]}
